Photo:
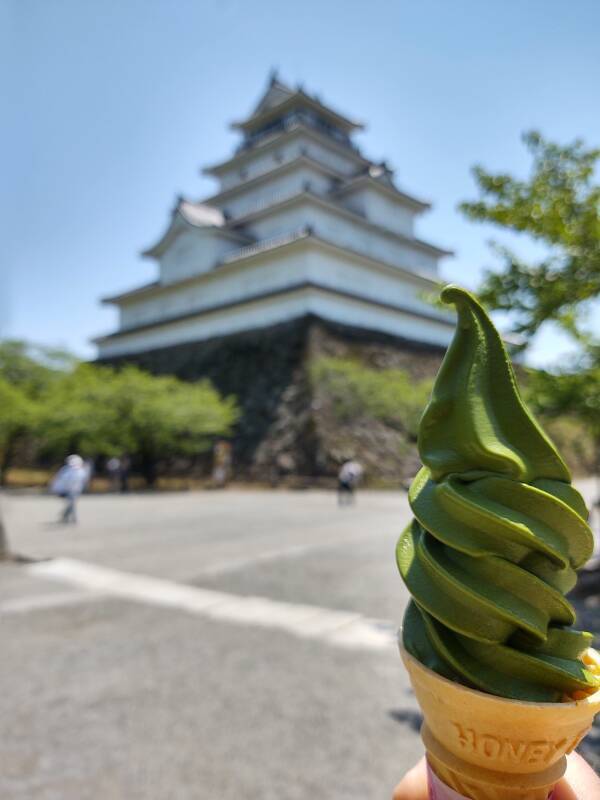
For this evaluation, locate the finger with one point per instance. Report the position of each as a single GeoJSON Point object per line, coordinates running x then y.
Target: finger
{"type": "Point", "coordinates": [580, 782]}
{"type": "Point", "coordinates": [413, 785]}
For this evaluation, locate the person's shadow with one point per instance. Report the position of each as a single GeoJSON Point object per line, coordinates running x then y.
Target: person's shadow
{"type": "Point", "coordinates": [406, 716]}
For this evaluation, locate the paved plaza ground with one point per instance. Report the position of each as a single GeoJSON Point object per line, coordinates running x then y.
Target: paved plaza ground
{"type": "Point", "coordinates": [235, 644]}
{"type": "Point", "coordinates": [112, 688]}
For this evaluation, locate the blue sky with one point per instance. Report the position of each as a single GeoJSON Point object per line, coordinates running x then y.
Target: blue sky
{"type": "Point", "coordinates": [119, 103]}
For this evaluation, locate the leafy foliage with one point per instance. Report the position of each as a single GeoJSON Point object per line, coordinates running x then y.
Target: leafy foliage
{"type": "Point", "coordinates": [30, 367]}
{"type": "Point", "coordinates": [388, 395]}
{"type": "Point", "coordinates": [559, 206]}
{"type": "Point", "coordinates": [100, 411]}
{"type": "Point", "coordinates": [65, 406]}
{"type": "Point", "coordinates": [576, 393]}
{"type": "Point", "coordinates": [23, 381]}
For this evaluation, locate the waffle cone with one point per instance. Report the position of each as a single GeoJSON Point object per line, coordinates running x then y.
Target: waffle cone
{"type": "Point", "coordinates": [490, 748]}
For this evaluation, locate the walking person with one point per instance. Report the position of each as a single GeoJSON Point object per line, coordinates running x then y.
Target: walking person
{"type": "Point", "coordinates": [348, 477]}
{"type": "Point", "coordinates": [69, 482]}
{"type": "Point", "coordinates": [124, 470]}
{"type": "Point", "coordinates": [221, 463]}
{"type": "Point", "coordinates": [113, 467]}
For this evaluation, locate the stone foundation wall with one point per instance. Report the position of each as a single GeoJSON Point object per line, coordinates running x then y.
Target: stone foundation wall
{"type": "Point", "coordinates": [286, 429]}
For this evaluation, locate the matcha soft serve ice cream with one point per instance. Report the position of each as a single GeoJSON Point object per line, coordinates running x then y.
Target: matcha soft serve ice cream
{"type": "Point", "coordinates": [498, 533]}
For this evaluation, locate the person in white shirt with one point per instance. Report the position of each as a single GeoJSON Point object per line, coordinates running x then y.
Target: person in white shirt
{"type": "Point", "coordinates": [69, 482]}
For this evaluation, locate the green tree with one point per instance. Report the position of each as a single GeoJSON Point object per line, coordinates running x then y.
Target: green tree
{"type": "Point", "coordinates": [559, 207]}
{"type": "Point", "coordinates": [26, 374]}
{"type": "Point", "coordinates": [555, 394]}
{"type": "Point", "coordinates": [159, 417]}
{"type": "Point", "coordinates": [18, 418]}
{"type": "Point", "coordinates": [32, 367]}
{"type": "Point", "coordinates": [79, 414]}
{"type": "Point", "coordinates": [21, 378]}
{"type": "Point", "coordinates": [96, 410]}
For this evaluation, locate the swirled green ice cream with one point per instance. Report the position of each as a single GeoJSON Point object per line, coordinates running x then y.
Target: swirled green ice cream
{"type": "Point", "coordinates": [498, 533]}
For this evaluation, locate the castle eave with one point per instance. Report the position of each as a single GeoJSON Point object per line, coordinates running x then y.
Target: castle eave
{"type": "Point", "coordinates": [348, 213]}
{"type": "Point", "coordinates": [276, 172]}
{"type": "Point", "coordinates": [268, 248]}
{"type": "Point", "coordinates": [288, 291]}
{"type": "Point", "coordinates": [391, 191]}
{"type": "Point", "coordinates": [279, 139]}
{"type": "Point", "coordinates": [194, 215]}
{"type": "Point", "coordinates": [302, 100]}
{"type": "Point", "coordinates": [307, 237]}
{"type": "Point", "coordinates": [116, 299]}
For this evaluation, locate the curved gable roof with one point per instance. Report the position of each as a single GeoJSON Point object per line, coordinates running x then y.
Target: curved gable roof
{"type": "Point", "coordinates": [195, 215]}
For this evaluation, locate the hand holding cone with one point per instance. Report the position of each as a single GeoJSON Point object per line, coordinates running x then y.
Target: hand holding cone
{"type": "Point", "coordinates": [490, 748]}
{"type": "Point", "coordinates": [506, 685]}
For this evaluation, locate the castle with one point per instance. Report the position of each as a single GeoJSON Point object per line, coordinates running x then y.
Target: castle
{"type": "Point", "coordinates": [304, 234]}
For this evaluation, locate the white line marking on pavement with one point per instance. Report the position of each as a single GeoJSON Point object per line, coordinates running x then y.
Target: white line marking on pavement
{"type": "Point", "coordinates": [41, 602]}
{"type": "Point", "coordinates": [341, 628]}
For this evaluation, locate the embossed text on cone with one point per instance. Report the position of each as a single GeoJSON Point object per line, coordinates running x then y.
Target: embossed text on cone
{"type": "Point", "coordinates": [489, 748]}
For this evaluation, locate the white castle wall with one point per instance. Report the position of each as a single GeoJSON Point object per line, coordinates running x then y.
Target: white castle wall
{"type": "Point", "coordinates": [380, 285]}
{"type": "Point", "coordinates": [259, 164]}
{"type": "Point", "coordinates": [343, 232]}
{"type": "Point", "coordinates": [227, 284]}
{"type": "Point", "coordinates": [194, 251]}
{"type": "Point", "coordinates": [381, 210]}
{"type": "Point", "coordinates": [272, 156]}
{"type": "Point", "coordinates": [346, 165]}
{"type": "Point", "coordinates": [307, 262]}
{"type": "Point", "coordinates": [270, 311]}
{"type": "Point", "coordinates": [357, 313]}
{"type": "Point", "coordinates": [293, 182]}
{"type": "Point", "coordinates": [251, 315]}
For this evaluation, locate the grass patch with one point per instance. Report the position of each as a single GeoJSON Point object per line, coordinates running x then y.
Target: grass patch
{"type": "Point", "coordinates": [356, 391]}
